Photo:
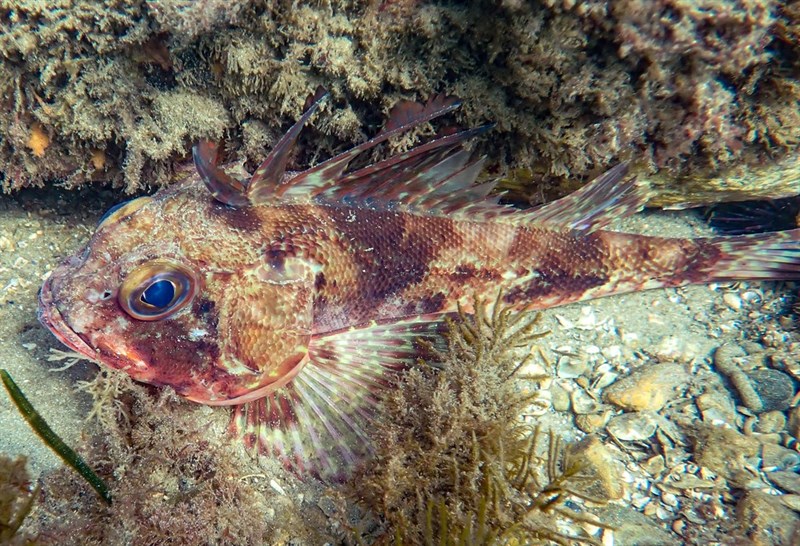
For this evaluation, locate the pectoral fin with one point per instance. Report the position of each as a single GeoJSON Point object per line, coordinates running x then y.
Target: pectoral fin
{"type": "Point", "coordinates": [319, 423]}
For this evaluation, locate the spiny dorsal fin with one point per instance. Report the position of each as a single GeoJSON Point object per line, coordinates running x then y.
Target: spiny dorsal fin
{"type": "Point", "coordinates": [327, 174]}
{"type": "Point", "coordinates": [240, 193]}
{"type": "Point", "coordinates": [224, 187]}
{"type": "Point", "coordinates": [269, 174]}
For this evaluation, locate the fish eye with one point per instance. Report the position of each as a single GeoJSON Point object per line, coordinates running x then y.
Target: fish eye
{"type": "Point", "coordinates": [156, 290]}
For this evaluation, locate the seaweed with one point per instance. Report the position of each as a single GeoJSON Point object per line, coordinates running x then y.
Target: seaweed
{"type": "Point", "coordinates": [53, 441]}
{"type": "Point", "coordinates": [173, 484]}
{"type": "Point", "coordinates": [455, 464]}
{"type": "Point", "coordinates": [16, 500]}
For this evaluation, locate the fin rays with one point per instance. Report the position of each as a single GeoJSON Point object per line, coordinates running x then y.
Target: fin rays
{"type": "Point", "coordinates": [318, 423]}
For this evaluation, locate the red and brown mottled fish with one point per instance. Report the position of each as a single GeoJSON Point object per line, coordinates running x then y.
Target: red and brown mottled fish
{"type": "Point", "coordinates": [296, 296]}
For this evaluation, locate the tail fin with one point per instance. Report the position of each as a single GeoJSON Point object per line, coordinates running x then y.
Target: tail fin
{"type": "Point", "coordinates": [763, 256]}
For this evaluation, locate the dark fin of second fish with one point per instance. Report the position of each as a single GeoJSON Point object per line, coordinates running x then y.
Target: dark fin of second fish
{"type": "Point", "coordinates": [755, 216]}
{"type": "Point", "coordinates": [319, 423]}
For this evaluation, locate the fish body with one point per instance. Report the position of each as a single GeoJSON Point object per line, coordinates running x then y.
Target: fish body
{"type": "Point", "coordinates": [298, 297]}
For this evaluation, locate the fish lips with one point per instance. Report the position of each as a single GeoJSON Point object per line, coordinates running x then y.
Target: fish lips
{"type": "Point", "coordinates": [51, 318]}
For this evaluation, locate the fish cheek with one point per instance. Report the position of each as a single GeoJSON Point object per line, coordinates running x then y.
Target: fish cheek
{"type": "Point", "coordinates": [177, 353]}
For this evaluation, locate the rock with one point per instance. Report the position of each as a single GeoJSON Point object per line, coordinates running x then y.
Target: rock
{"type": "Point", "coordinates": [726, 452]}
{"type": "Point", "coordinates": [592, 422]}
{"type": "Point", "coordinates": [787, 480]}
{"type": "Point", "coordinates": [630, 427]}
{"type": "Point", "coordinates": [766, 521]}
{"type": "Point", "coordinates": [599, 464]}
{"type": "Point", "coordinates": [794, 422]}
{"type": "Point", "coordinates": [770, 422]}
{"type": "Point", "coordinates": [776, 457]}
{"type": "Point", "coordinates": [648, 387]}
{"type": "Point", "coordinates": [775, 388]}
{"type": "Point", "coordinates": [583, 403]}
{"type": "Point", "coordinates": [632, 528]}
{"type": "Point", "coordinates": [559, 397]}
{"type": "Point", "coordinates": [716, 407]}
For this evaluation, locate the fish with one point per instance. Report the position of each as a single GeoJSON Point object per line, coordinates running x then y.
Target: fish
{"type": "Point", "coordinates": [298, 298]}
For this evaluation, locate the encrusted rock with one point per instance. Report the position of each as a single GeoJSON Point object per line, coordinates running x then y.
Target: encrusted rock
{"type": "Point", "coordinates": [597, 462]}
{"type": "Point", "coordinates": [766, 521]}
{"type": "Point", "coordinates": [648, 387]}
{"type": "Point", "coordinates": [771, 421]}
{"type": "Point", "coordinates": [726, 452]}
{"type": "Point", "coordinates": [785, 479]}
{"type": "Point", "coordinates": [775, 388]}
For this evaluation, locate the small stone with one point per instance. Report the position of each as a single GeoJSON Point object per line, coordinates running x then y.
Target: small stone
{"type": "Point", "coordinates": [775, 388]}
{"type": "Point", "coordinates": [776, 457]}
{"type": "Point", "coordinates": [559, 397]}
{"type": "Point", "coordinates": [766, 521]}
{"type": "Point", "coordinates": [732, 300]}
{"type": "Point", "coordinates": [582, 403]}
{"type": "Point", "coordinates": [598, 464]}
{"type": "Point", "coordinates": [770, 422]}
{"type": "Point", "coordinates": [726, 452]}
{"type": "Point", "coordinates": [648, 387]}
{"type": "Point", "coordinates": [794, 422]}
{"type": "Point", "coordinates": [571, 367]}
{"type": "Point", "coordinates": [787, 480]}
{"type": "Point", "coordinates": [592, 422]}
{"type": "Point", "coordinates": [716, 407]}
{"type": "Point", "coordinates": [632, 527]}
{"type": "Point", "coordinates": [630, 427]}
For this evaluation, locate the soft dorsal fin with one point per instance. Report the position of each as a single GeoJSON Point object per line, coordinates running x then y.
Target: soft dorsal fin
{"type": "Point", "coordinates": [606, 198]}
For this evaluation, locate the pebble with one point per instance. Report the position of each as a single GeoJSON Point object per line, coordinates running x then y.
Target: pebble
{"type": "Point", "coordinates": [774, 388]}
{"type": "Point", "coordinates": [631, 427]}
{"type": "Point", "coordinates": [785, 479]}
{"type": "Point", "coordinates": [648, 388]}
{"type": "Point", "coordinates": [794, 422]}
{"type": "Point", "coordinates": [592, 422]}
{"type": "Point", "coordinates": [559, 397]}
{"type": "Point", "coordinates": [582, 403]}
{"type": "Point", "coordinates": [766, 520]}
{"type": "Point", "coordinates": [716, 407]}
{"type": "Point", "coordinates": [770, 422]}
{"type": "Point", "coordinates": [726, 452]}
{"type": "Point", "coordinates": [776, 457]}
{"type": "Point", "coordinates": [601, 467]}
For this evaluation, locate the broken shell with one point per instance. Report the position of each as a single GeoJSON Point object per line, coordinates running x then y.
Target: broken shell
{"type": "Point", "coordinates": [582, 403]}
{"type": "Point", "coordinates": [631, 427]}
{"type": "Point", "coordinates": [570, 368]}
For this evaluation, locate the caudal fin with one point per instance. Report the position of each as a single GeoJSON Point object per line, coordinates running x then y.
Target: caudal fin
{"type": "Point", "coordinates": [763, 256]}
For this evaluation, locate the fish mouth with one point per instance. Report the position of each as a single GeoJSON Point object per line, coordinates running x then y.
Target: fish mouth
{"type": "Point", "coordinates": [52, 319]}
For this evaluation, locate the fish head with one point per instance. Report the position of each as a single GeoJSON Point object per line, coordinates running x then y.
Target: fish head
{"type": "Point", "coordinates": [174, 290]}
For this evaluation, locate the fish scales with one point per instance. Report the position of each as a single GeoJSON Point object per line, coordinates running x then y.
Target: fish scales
{"type": "Point", "coordinates": [298, 298]}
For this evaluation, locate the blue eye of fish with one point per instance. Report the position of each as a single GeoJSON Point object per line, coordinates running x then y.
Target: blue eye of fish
{"type": "Point", "coordinates": [156, 290]}
{"type": "Point", "coordinates": [159, 294]}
